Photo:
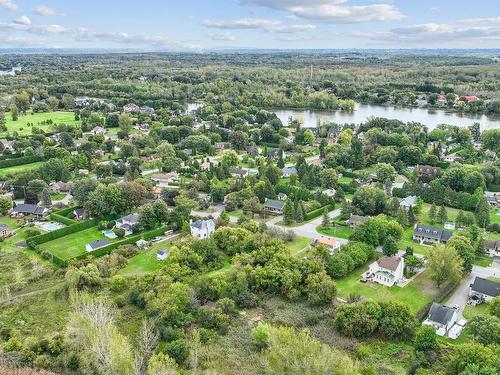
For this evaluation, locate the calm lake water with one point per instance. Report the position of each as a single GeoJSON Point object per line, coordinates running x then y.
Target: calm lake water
{"type": "Point", "coordinates": [430, 118]}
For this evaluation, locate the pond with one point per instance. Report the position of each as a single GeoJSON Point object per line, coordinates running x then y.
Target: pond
{"type": "Point", "coordinates": [429, 117]}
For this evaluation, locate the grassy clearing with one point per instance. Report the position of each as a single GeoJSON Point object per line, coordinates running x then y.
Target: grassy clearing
{"type": "Point", "coordinates": [20, 168]}
{"type": "Point", "coordinates": [340, 231]}
{"type": "Point", "coordinates": [416, 294]}
{"type": "Point", "coordinates": [299, 243]}
{"type": "Point", "coordinates": [58, 196]}
{"type": "Point", "coordinates": [72, 245]}
{"type": "Point", "coordinates": [21, 125]}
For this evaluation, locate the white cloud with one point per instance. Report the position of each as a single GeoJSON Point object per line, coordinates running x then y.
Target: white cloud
{"type": "Point", "coordinates": [222, 36]}
{"type": "Point", "coordinates": [258, 24]}
{"type": "Point", "coordinates": [8, 4]}
{"type": "Point", "coordinates": [23, 20]}
{"type": "Point", "coordinates": [477, 30]}
{"type": "Point", "coordinates": [46, 11]}
{"type": "Point", "coordinates": [332, 11]}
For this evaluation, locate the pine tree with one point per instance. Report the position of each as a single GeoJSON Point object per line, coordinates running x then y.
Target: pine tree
{"type": "Point", "coordinates": [411, 217]}
{"type": "Point", "coordinates": [281, 163]}
{"type": "Point", "coordinates": [432, 214]}
{"type": "Point", "coordinates": [483, 213]}
{"type": "Point", "coordinates": [326, 219]}
{"type": "Point", "coordinates": [288, 212]}
{"type": "Point", "coordinates": [442, 215]}
{"type": "Point", "coordinates": [299, 213]}
{"type": "Point", "coordinates": [460, 218]}
{"type": "Point", "coordinates": [46, 199]}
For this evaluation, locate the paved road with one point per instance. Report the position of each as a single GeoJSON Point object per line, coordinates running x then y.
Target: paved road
{"type": "Point", "coordinates": [308, 229]}
{"type": "Point", "coordinates": [461, 294]}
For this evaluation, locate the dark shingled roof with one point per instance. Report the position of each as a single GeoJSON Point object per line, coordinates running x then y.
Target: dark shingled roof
{"type": "Point", "coordinates": [99, 243]}
{"type": "Point", "coordinates": [271, 203]}
{"type": "Point", "coordinates": [441, 313]}
{"type": "Point", "coordinates": [29, 209]}
{"type": "Point", "coordinates": [485, 286]}
{"type": "Point", "coordinates": [389, 263]}
{"type": "Point", "coordinates": [432, 232]}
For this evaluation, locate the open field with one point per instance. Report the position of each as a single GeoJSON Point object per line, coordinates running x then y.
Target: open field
{"type": "Point", "coordinates": [20, 168]}
{"type": "Point", "coordinates": [21, 125]}
{"type": "Point", "coordinates": [72, 245]}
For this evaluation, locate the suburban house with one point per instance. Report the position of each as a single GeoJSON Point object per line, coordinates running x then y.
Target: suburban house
{"type": "Point", "coordinates": [282, 196]}
{"type": "Point", "coordinates": [408, 202]}
{"type": "Point", "coordinates": [253, 150]}
{"type": "Point", "coordinates": [239, 172]}
{"type": "Point", "coordinates": [161, 255]}
{"type": "Point", "coordinates": [274, 206]}
{"type": "Point", "coordinates": [470, 98]}
{"type": "Point", "coordinates": [429, 234]}
{"type": "Point", "coordinates": [98, 130]}
{"type": "Point", "coordinates": [97, 244]}
{"type": "Point", "coordinates": [60, 187]}
{"type": "Point", "coordinates": [428, 173]}
{"type": "Point", "coordinates": [330, 192]}
{"type": "Point", "coordinates": [7, 145]}
{"type": "Point", "coordinates": [355, 220]}
{"type": "Point", "coordinates": [287, 171]}
{"type": "Point", "coordinates": [387, 270]}
{"type": "Point", "coordinates": [5, 231]}
{"type": "Point", "coordinates": [450, 225]}
{"type": "Point", "coordinates": [330, 243]}
{"type": "Point", "coordinates": [492, 247]}
{"type": "Point", "coordinates": [128, 223]}
{"type": "Point", "coordinates": [451, 157]}
{"type": "Point", "coordinates": [484, 289]}
{"type": "Point", "coordinates": [30, 209]}
{"type": "Point", "coordinates": [222, 145]}
{"type": "Point", "coordinates": [80, 214]}
{"type": "Point", "coordinates": [442, 318]}
{"type": "Point", "coordinates": [163, 179]}
{"type": "Point", "coordinates": [202, 228]}
{"type": "Point", "coordinates": [274, 154]}
{"type": "Point", "coordinates": [492, 198]}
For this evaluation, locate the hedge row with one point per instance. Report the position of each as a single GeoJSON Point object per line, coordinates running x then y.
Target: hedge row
{"type": "Point", "coordinates": [347, 188]}
{"type": "Point", "coordinates": [46, 237]}
{"type": "Point", "coordinates": [19, 161]}
{"type": "Point", "coordinates": [11, 156]}
{"type": "Point", "coordinates": [126, 241]}
{"type": "Point", "coordinates": [349, 174]}
{"type": "Point", "coordinates": [62, 219]}
{"type": "Point", "coordinates": [318, 212]}
{"type": "Point", "coordinates": [66, 211]}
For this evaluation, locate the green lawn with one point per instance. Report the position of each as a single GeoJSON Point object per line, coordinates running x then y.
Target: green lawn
{"type": "Point", "coordinates": [416, 294]}
{"type": "Point", "coordinates": [345, 180]}
{"type": "Point", "coordinates": [298, 244]}
{"type": "Point", "coordinates": [407, 241]}
{"type": "Point", "coordinates": [9, 243]}
{"type": "Point", "coordinates": [20, 168]}
{"type": "Point", "coordinates": [340, 231]}
{"type": "Point", "coordinates": [21, 125]}
{"type": "Point", "coordinates": [72, 245]}
{"type": "Point", "coordinates": [472, 311]}
{"type": "Point", "coordinates": [494, 218]}
{"type": "Point", "coordinates": [58, 196]}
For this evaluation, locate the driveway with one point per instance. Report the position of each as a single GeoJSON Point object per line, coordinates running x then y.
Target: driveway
{"type": "Point", "coordinates": [461, 294]}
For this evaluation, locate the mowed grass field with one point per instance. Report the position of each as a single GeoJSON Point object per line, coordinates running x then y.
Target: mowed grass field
{"type": "Point", "coordinates": [21, 125]}
{"type": "Point", "coordinates": [20, 168]}
{"type": "Point", "coordinates": [72, 245]}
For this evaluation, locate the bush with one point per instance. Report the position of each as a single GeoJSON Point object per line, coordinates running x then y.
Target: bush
{"type": "Point", "coordinates": [426, 339]}
{"type": "Point", "coordinates": [177, 350]}
{"type": "Point", "coordinates": [120, 232]}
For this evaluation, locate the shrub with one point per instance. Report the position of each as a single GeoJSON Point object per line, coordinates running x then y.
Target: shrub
{"type": "Point", "coordinates": [426, 339]}
{"type": "Point", "coordinates": [120, 232]}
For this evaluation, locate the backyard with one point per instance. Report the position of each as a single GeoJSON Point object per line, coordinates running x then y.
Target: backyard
{"type": "Point", "coordinates": [21, 125]}
{"type": "Point", "coordinates": [72, 245]}
{"type": "Point", "coordinates": [415, 295]}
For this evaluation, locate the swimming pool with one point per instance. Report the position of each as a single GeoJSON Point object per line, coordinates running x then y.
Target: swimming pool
{"type": "Point", "coordinates": [109, 233]}
{"type": "Point", "coordinates": [49, 226]}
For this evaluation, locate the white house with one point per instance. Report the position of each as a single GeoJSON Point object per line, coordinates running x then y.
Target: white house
{"type": "Point", "coordinates": [442, 318]}
{"type": "Point", "coordinates": [330, 192]}
{"type": "Point", "coordinates": [202, 228]}
{"type": "Point", "coordinates": [330, 243]}
{"type": "Point", "coordinates": [97, 244]}
{"type": "Point", "coordinates": [387, 270]}
{"type": "Point", "coordinates": [408, 202]}
{"type": "Point", "coordinates": [128, 223]}
{"type": "Point", "coordinates": [484, 289]}
{"type": "Point", "coordinates": [163, 179]}
{"type": "Point", "coordinates": [161, 255]}
{"type": "Point", "coordinates": [288, 171]}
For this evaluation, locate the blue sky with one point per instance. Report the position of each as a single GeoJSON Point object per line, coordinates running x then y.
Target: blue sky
{"type": "Point", "coordinates": [205, 24]}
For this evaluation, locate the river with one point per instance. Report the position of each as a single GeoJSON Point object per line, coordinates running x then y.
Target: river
{"type": "Point", "coordinates": [429, 117]}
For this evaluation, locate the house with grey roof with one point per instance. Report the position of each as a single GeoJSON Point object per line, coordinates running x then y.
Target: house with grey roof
{"type": "Point", "coordinates": [432, 235]}
{"type": "Point", "coordinates": [356, 220]}
{"type": "Point", "coordinates": [274, 206]}
{"type": "Point", "coordinates": [408, 202]}
{"type": "Point", "coordinates": [492, 247]}
{"type": "Point", "coordinates": [30, 209]}
{"type": "Point", "coordinates": [387, 271]}
{"type": "Point", "coordinates": [288, 171]}
{"type": "Point", "coordinates": [5, 231]}
{"type": "Point", "coordinates": [202, 228]}
{"type": "Point", "coordinates": [484, 289]}
{"type": "Point", "coordinates": [97, 244]}
{"type": "Point", "coordinates": [161, 255]}
{"type": "Point", "coordinates": [442, 318]}
{"type": "Point", "coordinates": [239, 172]}
{"type": "Point", "coordinates": [128, 223]}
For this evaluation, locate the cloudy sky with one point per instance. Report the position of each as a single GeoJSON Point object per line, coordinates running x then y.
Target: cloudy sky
{"type": "Point", "coordinates": [203, 24]}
